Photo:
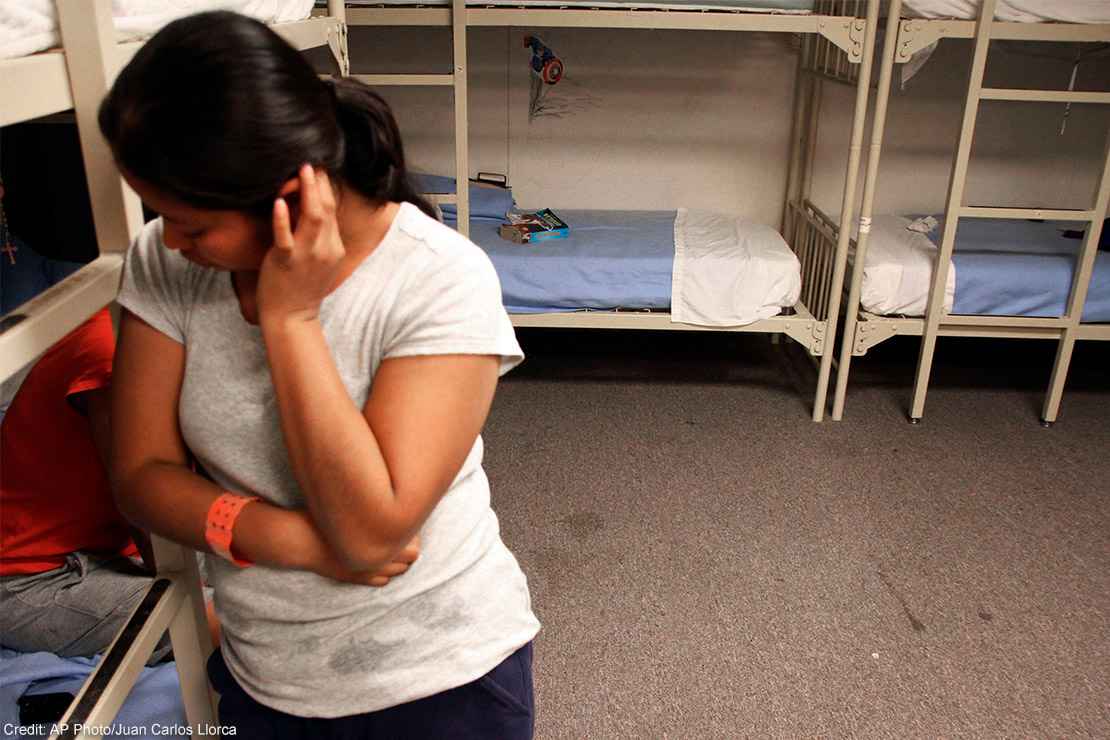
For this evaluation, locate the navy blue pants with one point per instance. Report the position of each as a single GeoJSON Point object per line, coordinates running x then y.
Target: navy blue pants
{"type": "Point", "coordinates": [498, 706]}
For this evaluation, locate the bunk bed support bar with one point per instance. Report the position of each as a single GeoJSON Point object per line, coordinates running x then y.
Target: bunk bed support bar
{"type": "Point", "coordinates": [846, 32]}
{"type": "Point", "coordinates": [915, 35]}
{"type": "Point", "coordinates": [859, 117]}
{"type": "Point", "coordinates": [878, 127]}
{"type": "Point", "coordinates": [167, 605]}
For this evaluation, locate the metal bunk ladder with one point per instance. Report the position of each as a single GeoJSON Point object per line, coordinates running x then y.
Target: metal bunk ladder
{"type": "Point", "coordinates": [457, 79]}
{"type": "Point", "coordinates": [1067, 327]}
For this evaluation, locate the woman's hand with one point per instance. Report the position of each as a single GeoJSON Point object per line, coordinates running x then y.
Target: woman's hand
{"type": "Point", "coordinates": [302, 267]}
{"type": "Point", "coordinates": [307, 550]}
{"type": "Point", "coordinates": [290, 539]}
{"type": "Point", "coordinates": [332, 569]}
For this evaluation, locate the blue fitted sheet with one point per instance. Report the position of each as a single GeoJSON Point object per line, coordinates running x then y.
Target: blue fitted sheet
{"type": "Point", "coordinates": [612, 259]}
{"type": "Point", "coordinates": [1014, 267]}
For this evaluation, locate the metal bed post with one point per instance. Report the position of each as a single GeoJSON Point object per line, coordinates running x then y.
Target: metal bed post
{"type": "Point", "coordinates": [92, 61]}
{"type": "Point", "coordinates": [1078, 297]}
{"type": "Point", "coordinates": [863, 88]}
{"type": "Point", "coordinates": [462, 131]}
{"type": "Point", "coordinates": [92, 66]}
{"type": "Point", "coordinates": [815, 88]}
{"type": "Point", "coordinates": [338, 9]}
{"type": "Point", "coordinates": [878, 127]}
{"type": "Point", "coordinates": [803, 83]}
{"type": "Point", "coordinates": [799, 136]}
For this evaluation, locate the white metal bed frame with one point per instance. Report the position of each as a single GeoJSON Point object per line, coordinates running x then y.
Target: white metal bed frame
{"type": "Point", "coordinates": [838, 44]}
{"type": "Point", "coordinates": [78, 76]}
{"type": "Point", "coordinates": [864, 330]}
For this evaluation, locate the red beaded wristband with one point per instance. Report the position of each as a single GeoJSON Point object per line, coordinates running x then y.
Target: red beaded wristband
{"type": "Point", "coordinates": [221, 520]}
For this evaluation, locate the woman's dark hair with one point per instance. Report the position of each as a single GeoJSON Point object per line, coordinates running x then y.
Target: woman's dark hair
{"type": "Point", "coordinates": [218, 111]}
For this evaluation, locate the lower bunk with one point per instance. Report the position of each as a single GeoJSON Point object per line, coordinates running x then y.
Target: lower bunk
{"type": "Point", "coordinates": [659, 270]}
{"type": "Point", "coordinates": [1008, 278]}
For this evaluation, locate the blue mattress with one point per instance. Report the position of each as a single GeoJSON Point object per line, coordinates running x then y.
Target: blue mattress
{"type": "Point", "coordinates": [612, 259]}
{"type": "Point", "coordinates": [1014, 267]}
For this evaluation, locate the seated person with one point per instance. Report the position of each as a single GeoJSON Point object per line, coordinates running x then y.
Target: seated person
{"type": "Point", "coordinates": [70, 572]}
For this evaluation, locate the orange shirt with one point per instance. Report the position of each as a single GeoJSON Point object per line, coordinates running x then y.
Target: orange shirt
{"type": "Point", "coordinates": [54, 492]}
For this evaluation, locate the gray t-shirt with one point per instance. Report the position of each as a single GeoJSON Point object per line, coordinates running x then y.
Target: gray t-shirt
{"type": "Point", "coordinates": [295, 641]}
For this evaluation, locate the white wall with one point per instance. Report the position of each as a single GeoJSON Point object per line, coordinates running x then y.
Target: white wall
{"type": "Point", "coordinates": [661, 119]}
{"type": "Point", "coordinates": [1019, 157]}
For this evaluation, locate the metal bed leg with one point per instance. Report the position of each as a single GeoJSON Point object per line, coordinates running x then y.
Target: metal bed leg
{"type": "Point", "coordinates": [1080, 283]}
{"type": "Point", "coordinates": [462, 135]}
{"type": "Point", "coordinates": [836, 288]}
{"type": "Point", "coordinates": [935, 307]}
{"type": "Point", "coordinates": [797, 139]}
{"type": "Point", "coordinates": [851, 316]}
{"type": "Point", "coordinates": [189, 635]}
{"type": "Point", "coordinates": [338, 9]}
{"type": "Point", "coordinates": [89, 36]}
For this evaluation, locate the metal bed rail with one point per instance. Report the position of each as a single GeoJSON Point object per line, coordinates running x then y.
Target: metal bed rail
{"type": "Point", "coordinates": [814, 238]}
{"type": "Point", "coordinates": [828, 59]}
{"type": "Point", "coordinates": [174, 602]}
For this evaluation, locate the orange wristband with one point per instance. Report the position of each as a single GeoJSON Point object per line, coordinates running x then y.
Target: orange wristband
{"type": "Point", "coordinates": [221, 520]}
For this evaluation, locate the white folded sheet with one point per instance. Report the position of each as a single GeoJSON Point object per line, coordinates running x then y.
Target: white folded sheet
{"type": "Point", "coordinates": [29, 26]}
{"type": "Point", "coordinates": [730, 272]}
{"type": "Point", "coordinates": [899, 269]}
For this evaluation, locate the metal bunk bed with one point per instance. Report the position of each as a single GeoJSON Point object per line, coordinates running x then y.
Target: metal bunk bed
{"type": "Point", "coordinates": [838, 38]}
{"type": "Point", "coordinates": [863, 330]}
{"type": "Point", "coordinates": [78, 76]}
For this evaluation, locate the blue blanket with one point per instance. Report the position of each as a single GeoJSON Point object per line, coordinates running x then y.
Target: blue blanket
{"type": "Point", "coordinates": [1014, 267]}
{"type": "Point", "coordinates": [153, 705]}
{"type": "Point", "coordinates": [611, 259]}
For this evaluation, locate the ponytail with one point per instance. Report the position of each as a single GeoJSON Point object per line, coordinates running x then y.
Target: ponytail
{"type": "Point", "coordinates": [373, 156]}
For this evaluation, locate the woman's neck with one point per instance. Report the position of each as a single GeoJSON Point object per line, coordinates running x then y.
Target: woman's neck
{"type": "Point", "coordinates": [362, 227]}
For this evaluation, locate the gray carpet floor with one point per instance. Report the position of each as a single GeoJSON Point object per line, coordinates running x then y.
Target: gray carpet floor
{"type": "Point", "coordinates": [707, 562]}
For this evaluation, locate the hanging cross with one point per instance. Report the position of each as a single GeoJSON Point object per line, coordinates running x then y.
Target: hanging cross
{"type": "Point", "coordinates": [8, 247]}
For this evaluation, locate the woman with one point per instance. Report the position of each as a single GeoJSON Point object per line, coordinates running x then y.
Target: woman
{"type": "Point", "coordinates": [299, 323]}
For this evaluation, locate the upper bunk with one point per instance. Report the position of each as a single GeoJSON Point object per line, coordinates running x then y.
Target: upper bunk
{"type": "Point", "coordinates": [96, 42]}
{"type": "Point", "coordinates": [35, 82]}
{"type": "Point", "coordinates": [840, 21]}
{"type": "Point", "coordinates": [924, 22]}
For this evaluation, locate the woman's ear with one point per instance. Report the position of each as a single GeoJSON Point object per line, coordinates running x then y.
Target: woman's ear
{"type": "Point", "coordinates": [291, 192]}
{"type": "Point", "coordinates": [292, 185]}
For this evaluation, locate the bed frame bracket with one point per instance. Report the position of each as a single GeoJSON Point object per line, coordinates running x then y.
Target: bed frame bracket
{"type": "Point", "coordinates": [913, 36]}
{"type": "Point", "coordinates": [337, 42]}
{"type": "Point", "coordinates": [810, 335]}
{"type": "Point", "coordinates": [848, 36]}
{"type": "Point", "coordinates": [870, 333]}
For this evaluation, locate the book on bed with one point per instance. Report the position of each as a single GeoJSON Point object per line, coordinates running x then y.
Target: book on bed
{"type": "Point", "coordinates": [523, 228]}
